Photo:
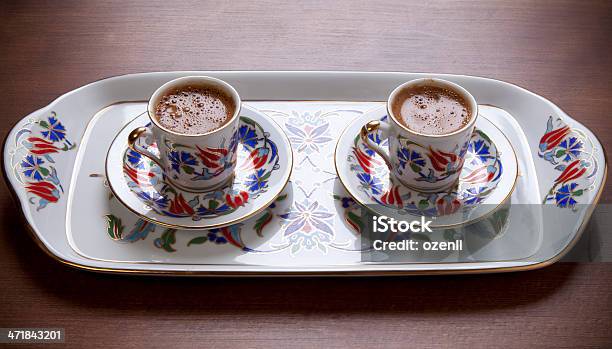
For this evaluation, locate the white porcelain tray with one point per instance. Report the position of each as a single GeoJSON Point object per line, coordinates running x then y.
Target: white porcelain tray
{"type": "Point", "coordinates": [72, 217]}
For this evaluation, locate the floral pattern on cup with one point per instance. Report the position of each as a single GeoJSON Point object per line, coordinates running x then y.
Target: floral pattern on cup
{"type": "Point", "coordinates": [202, 163]}
{"type": "Point", "coordinates": [429, 165]}
{"type": "Point", "coordinates": [257, 158]}
{"type": "Point", "coordinates": [479, 176]}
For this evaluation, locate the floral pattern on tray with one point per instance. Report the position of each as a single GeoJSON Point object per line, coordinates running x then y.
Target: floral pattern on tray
{"type": "Point", "coordinates": [166, 241]}
{"type": "Point", "coordinates": [571, 152]}
{"type": "Point", "coordinates": [33, 158]}
{"type": "Point", "coordinates": [290, 220]}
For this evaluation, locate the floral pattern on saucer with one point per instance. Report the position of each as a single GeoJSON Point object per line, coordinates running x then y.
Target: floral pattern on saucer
{"type": "Point", "coordinates": [481, 172]}
{"type": "Point", "coordinates": [257, 158]}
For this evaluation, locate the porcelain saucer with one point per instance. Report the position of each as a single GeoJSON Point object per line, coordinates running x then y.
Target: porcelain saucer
{"type": "Point", "coordinates": [264, 165]}
{"type": "Point", "coordinates": [486, 182]}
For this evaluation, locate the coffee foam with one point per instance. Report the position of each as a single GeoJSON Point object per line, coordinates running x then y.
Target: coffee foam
{"type": "Point", "coordinates": [431, 110]}
{"type": "Point", "coordinates": [194, 110]}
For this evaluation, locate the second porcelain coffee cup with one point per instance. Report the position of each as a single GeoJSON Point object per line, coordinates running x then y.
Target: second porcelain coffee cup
{"type": "Point", "coordinates": [425, 162]}
{"type": "Point", "coordinates": [192, 162]}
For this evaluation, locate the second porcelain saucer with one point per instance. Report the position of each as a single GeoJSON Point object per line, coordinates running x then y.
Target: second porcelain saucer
{"type": "Point", "coordinates": [263, 169]}
{"type": "Point", "coordinates": [487, 179]}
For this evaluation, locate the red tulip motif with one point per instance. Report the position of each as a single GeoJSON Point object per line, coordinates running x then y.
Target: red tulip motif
{"type": "Point", "coordinates": [236, 200]}
{"type": "Point", "coordinates": [443, 161]}
{"type": "Point", "coordinates": [553, 138]}
{"type": "Point", "coordinates": [211, 157]}
{"type": "Point", "coordinates": [256, 159]}
{"type": "Point", "coordinates": [41, 146]}
{"type": "Point", "coordinates": [392, 197]}
{"type": "Point", "coordinates": [447, 205]}
{"type": "Point", "coordinates": [571, 172]}
{"type": "Point", "coordinates": [180, 206]}
{"type": "Point", "coordinates": [483, 174]}
{"type": "Point", "coordinates": [365, 161]}
{"type": "Point", "coordinates": [44, 190]}
{"type": "Point", "coordinates": [139, 177]}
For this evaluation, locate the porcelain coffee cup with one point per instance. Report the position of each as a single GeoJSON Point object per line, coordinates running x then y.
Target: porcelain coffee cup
{"type": "Point", "coordinates": [192, 162]}
{"type": "Point", "coordinates": [424, 162]}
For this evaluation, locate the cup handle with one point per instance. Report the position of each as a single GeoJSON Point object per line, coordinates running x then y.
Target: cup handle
{"type": "Point", "coordinates": [132, 144]}
{"type": "Point", "coordinates": [373, 126]}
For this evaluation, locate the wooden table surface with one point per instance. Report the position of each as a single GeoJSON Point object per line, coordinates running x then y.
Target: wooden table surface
{"type": "Point", "coordinates": [560, 49]}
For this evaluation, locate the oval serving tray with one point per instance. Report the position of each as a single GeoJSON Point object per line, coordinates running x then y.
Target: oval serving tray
{"type": "Point", "coordinates": [54, 167]}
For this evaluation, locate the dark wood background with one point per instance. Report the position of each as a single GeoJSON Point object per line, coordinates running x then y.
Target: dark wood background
{"type": "Point", "coordinates": [560, 49]}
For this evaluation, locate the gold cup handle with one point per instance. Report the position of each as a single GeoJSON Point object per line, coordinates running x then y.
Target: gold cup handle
{"type": "Point", "coordinates": [373, 126]}
{"type": "Point", "coordinates": [132, 144]}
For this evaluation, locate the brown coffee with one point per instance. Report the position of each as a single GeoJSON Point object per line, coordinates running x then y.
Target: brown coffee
{"type": "Point", "coordinates": [431, 110]}
{"type": "Point", "coordinates": [194, 110]}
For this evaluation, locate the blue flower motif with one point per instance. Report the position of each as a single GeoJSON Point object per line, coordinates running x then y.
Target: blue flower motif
{"type": "Point", "coordinates": [32, 169]}
{"type": "Point", "coordinates": [255, 181]}
{"type": "Point", "coordinates": [480, 149]}
{"type": "Point", "coordinates": [248, 136]}
{"type": "Point", "coordinates": [213, 237]}
{"type": "Point", "coordinates": [55, 130]}
{"type": "Point", "coordinates": [204, 211]}
{"type": "Point", "coordinates": [370, 183]}
{"type": "Point", "coordinates": [135, 159]}
{"type": "Point", "coordinates": [572, 148]}
{"type": "Point", "coordinates": [182, 160]}
{"type": "Point", "coordinates": [153, 199]}
{"type": "Point", "coordinates": [374, 137]}
{"type": "Point", "coordinates": [347, 202]}
{"type": "Point", "coordinates": [411, 158]}
{"type": "Point", "coordinates": [565, 195]}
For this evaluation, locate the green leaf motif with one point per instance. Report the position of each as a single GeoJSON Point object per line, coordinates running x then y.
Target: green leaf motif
{"type": "Point", "coordinates": [166, 241]}
{"type": "Point", "coordinates": [187, 169]}
{"type": "Point", "coordinates": [423, 204]}
{"type": "Point", "coordinates": [213, 204]}
{"type": "Point", "coordinates": [114, 227]}
{"type": "Point", "coordinates": [560, 153]}
{"type": "Point", "coordinates": [261, 222]}
{"type": "Point", "coordinates": [44, 171]}
{"type": "Point", "coordinates": [356, 140]}
{"type": "Point", "coordinates": [578, 192]}
{"type": "Point", "coordinates": [197, 241]}
{"type": "Point", "coordinates": [483, 135]}
{"type": "Point", "coordinates": [248, 121]}
{"type": "Point", "coordinates": [449, 234]}
{"type": "Point", "coordinates": [266, 176]}
{"type": "Point", "coordinates": [44, 124]}
{"type": "Point", "coordinates": [284, 196]}
{"type": "Point", "coordinates": [355, 221]}
{"type": "Point", "coordinates": [415, 167]}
